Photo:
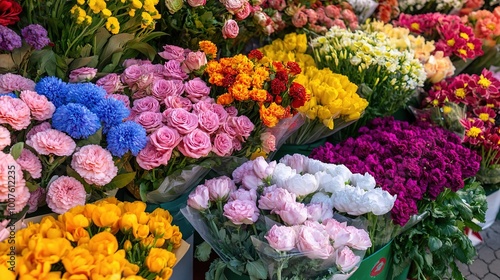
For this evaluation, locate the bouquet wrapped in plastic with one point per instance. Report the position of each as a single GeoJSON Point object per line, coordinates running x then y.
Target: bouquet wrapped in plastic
{"type": "Point", "coordinates": [274, 221]}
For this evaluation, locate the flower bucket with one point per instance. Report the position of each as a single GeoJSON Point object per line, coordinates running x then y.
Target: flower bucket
{"type": "Point", "coordinates": [493, 201]}
{"type": "Point", "coordinates": [403, 275]}
{"type": "Point", "coordinates": [290, 149]}
{"type": "Point", "coordinates": [376, 266]}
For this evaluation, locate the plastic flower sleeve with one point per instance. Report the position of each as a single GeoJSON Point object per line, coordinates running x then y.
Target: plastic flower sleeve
{"type": "Point", "coordinates": [178, 183]}
{"type": "Point", "coordinates": [364, 8]}
{"type": "Point", "coordinates": [448, 116]}
{"type": "Point", "coordinates": [284, 129]}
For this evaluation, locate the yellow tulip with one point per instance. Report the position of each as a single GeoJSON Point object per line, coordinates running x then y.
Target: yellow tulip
{"type": "Point", "coordinates": [103, 243]}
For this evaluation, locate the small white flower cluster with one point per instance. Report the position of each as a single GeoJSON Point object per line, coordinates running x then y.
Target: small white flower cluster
{"type": "Point", "coordinates": [332, 185]}
{"type": "Point", "coordinates": [409, 6]}
{"type": "Point", "coordinates": [373, 54]}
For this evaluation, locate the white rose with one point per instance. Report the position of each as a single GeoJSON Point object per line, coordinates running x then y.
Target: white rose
{"type": "Point", "coordinates": [365, 182]}
{"type": "Point", "coordinates": [342, 171]}
{"type": "Point", "coordinates": [314, 166]}
{"type": "Point", "coordinates": [350, 201]}
{"type": "Point", "coordinates": [281, 173]}
{"type": "Point", "coordinates": [321, 197]}
{"type": "Point", "coordinates": [301, 185]}
{"type": "Point", "coordinates": [380, 201]}
{"type": "Point", "coordinates": [329, 183]}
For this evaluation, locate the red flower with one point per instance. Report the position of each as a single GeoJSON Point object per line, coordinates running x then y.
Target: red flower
{"type": "Point", "coordinates": [277, 86]}
{"type": "Point", "coordinates": [282, 76]}
{"type": "Point", "coordinates": [278, 66]}
{"type": "Point", "coordinates": [293, 67]}
{"type": "Point", "coordinates": [255, 54]}
{"type": "Point", "coordinates": [228, 80]}
{"type": "Point", "coordinates": [9, 12]}
{"type": "Point", "coordinates": [474, 131]}
{"type": "Point", "coordinates": [298, 94]}
{"type": "Point", "coordinates": [487, 115]}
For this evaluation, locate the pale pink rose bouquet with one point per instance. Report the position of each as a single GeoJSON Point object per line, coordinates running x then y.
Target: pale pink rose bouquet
{"type": "Point", "coordinates": [63, 143]}
{"type": "Point", "coordinates": [188, 133]}
{"type": "Point", "coordinates": [274, 221]}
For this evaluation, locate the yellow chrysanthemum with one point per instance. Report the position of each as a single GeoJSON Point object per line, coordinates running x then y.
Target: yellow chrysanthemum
{"type": "Point", "coordinates": [112, 25]}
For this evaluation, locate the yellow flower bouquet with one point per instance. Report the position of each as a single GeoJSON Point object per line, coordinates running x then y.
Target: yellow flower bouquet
{"type": "Point", "coordinates": [105, 240]}
{"type": "Point", "coordinates": [333, 102]}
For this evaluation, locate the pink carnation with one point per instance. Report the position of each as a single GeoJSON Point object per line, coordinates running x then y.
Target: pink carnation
{"type": "Point", "coordinates": [52, 141]}
{"type": "Point", "coordinates": [14, 112]}
{"type": "Point", "coordinates": [4, 138]}
{"type": "Point", "coordinates": [150, 158]}
{"type": "Point", "coordinates": [36, 198]}
{"type": "Point", "coordinates": [9, 168]}
{"type": "Point", "coordinates": [12, 82]}
{"type": "Point", "coordinates": [30, 163]}
{"type": "Point", "coordinates": [95, 164]}
{"type": "Point", "coordinates": [82, 74]}
{"type": "Point", "coordinates": [111, 83]}
{"type": "Point", "coordinates": [65, 193]}
{"type": "Point", "coordinates": [41, 108]}
{"type": "Point", "coordinates": [38, 128]}
{"type": "Point", "coordinates": [22, 196]}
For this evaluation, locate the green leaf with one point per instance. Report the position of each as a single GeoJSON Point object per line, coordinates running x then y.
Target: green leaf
{"type": "Point", "coordinates": [115, 45]}
{"type": "Point", "coordinates": [143, 191]}
{"type": "Point", "coordinates": [115, 60]}
{"type": "Point", "coordinates": [153, 35]}
{"type": "Point", "coordinates": [101, 38]}
{"type": "Point", "coordinates": [72, 173]}
{"type": "Point", "coordinates": [89, 61]}
{"type": "Point", "coordinates": [455, 272]}
{"type": "Point", "coordinates": [32, 187]}
{"type": "Point", "coordinates": [120, 181]}
{"type": "Point", "coordinates": [16, 149]}
{"type": "Point", "coordinates": [434, 243]}
{"type": "Point", "coordinates": [256, 269]}
{"type": "Point", "coordinates": [142, 47]}
{"type": "Point", "coordinates": [203, 251]}
{"type": "Point", "coordinates": [94, 139]}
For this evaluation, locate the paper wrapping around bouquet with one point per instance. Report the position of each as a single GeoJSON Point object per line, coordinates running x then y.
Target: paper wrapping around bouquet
{"type": "Point", "coordinates": [490, 176]}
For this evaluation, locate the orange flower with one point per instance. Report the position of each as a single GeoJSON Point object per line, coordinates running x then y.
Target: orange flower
{"type": "Point", "coordinates": [159, 212]}
{"type": "Point", "coordinates": [225, 99]}
{"type": "Point", "coordinates": [135, 207]}
{"type": "Point", "coordinates": [277, 110]}
{"type": "Point", "coordinates": [158, 259]}
{"type": "Point", "coordinates": [267, 117]}
{"type": "Point", "coordinates": [78, 261]}
{"type": "Point", "coordinates": [176, 237]}
{"type": "Point", "coordinates": [239, 92]}
{"type": "Point", "coordinates": [107, 215]}
{"type": "Point", "coordinates": [244, 79]}
{"type": "Point", "coordinates": [103, 243]}
{"type": "Point", "coordinates": [48, 250]}
{"type": "Point", "coordinates": [79, 235]}
{"type": "Point", "coordinates": [216, 79]}
{"type": "Point", "coordinates": [259, 95]}
{"type": "Point", "coordinates": [208, 48]}
{"type": "Point", "coordinates": [73, 221]}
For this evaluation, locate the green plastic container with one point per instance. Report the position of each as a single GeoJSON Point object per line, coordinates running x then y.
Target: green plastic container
{"type": "Point", "coordinates": [376, 266]}
{"type": "Point", "coordinates": [290, 149]}
{"type": "Point", "coordinates": [403, 275]}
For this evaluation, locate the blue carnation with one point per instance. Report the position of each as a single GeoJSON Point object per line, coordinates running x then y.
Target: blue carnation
{"type": "Point", "coordinates": [127, 136]}
{"type": "Point", "coordinates": [111, 112]}
{"type": "Point", "coordinates": [54, 89]}
{"type": "Point", "coordinates": [86, 94]}
{"type": "Point", "coordinates": [76, 120]}
{"type": "Point", "coordinates": [11, 94]}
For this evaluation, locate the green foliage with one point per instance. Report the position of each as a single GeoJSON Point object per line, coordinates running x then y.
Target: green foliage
{"type": "Point", "coordinates": [433, 245]}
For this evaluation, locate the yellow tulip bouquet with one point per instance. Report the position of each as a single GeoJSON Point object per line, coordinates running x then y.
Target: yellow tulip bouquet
{"type": "Point", "coordinates": [105, 240]}
{"type": "Point", "coordinates": [334, 102]}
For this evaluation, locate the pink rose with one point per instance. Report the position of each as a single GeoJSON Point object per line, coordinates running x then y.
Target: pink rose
{"type": "Point", "coordinates": [332, 12]}
{"type": "Point", "coordinates": [262, 168]}
{"type": "Point", "coordinates": [146, 104]}
{"type": "Point", "coordinates": [182, 120]}
{"type": "Point", "coordinates": [359, 238]}
{"type": "Point", "coordinates": [165, 138]}
{"type": "Point", "coordinates": [241, 212]}
{"type": "Point", "coordinates": [232, 111]}
{"type": "Point", "coordinates": [220, 111]}
{"type": "Point", "coordinates": [4, 138]}
{"type": "Point", "coordinates": [14, 112]}
{"type": "Point", "coordinates": [314, 243]}
{"type": "Point", "coordinates": [155, 69]}
{"type": "Point", "coordinates": [150, 158]}
{"type": "Point", "coordinates": [311, 15]}
{"type": "Point", "coordinates": [150, 121]}
{"type": "Point", "coordinates": [237, 144]}
{"type": "Point", "coordinates": [83, 74]}
{"type": "Point", "coordinates": [13, 82]}
{"type": "Point", "coordinates": [132, 61]}
{"type": "Point", "coordinates": [346, 259]}
{"type": "Point", "coordinates": [299, 19]}
{"type": "Point", "coordinates": [199, 199]}
{"type": "Point", "coordinates": [208, 121]}
{"type": "Point", "coordinates": [260, 18]}
{"type": "Point", "coordinates": [230, 29]}
{"type": "Point", "coordinates": [52, 141]}
{"type": "Point", "coordinates": [95, 164]}
{"type": "Point", "coordinates": [337, 231]}
{"type": "Point", "coordinates": [242, 170]}
{"type": "Point", "coordinates": [173, 70]}
{"type": "Point", "coordinates": [230, 126]}
{"type": "Point", "coordinates": [31, 163]}
{"type": "Point", "coordinates": [244, 12]}
{"type": "Point", "coordinates": [174, 88]}
{"type": "Point", "coordinates": [204, 105]}
{"type": "Point", "coordinates": [319, 212]}
{"type": "Point", "coordinates": [268, 142]}
{"type": "Point", "coordinates": [171, 52]}
{"type": "Point", "coordinates": [178, 102]}
{"type": "Point", "coordinates": [233, 6]}
{"type": "Point", "coordinates": [242, 194]}
{"type": "Point", "coordinates": [37, 198]}
{"type": "Point", "coordinates": [121, 97]}
{"type": "Point", "coordinates": [277, 4]}
{"type": "Point", "coordinates": [274, 199]}
{"type": "Point", "coordinates": [321, 13]}
{"type": "Point", "coordinates": [340, 23]}
{"type": "Point", "coordinates": [110, 83]}
{"type": "Point", "coordinates": [41, 108]}
{"type": "Point", "coordinates": [223, 145]}
{"type": "Point", "coordinates": [251, 181]}
{"type": "Point", "coordinates": [9, 168]}
{"type": "Point", "coordinates": [281, 238]}
{"type": "Point", "coordinates": [196, 3]}
{"type": "Point", "coordinates": [220, 188]}
{"type": "Point", "coordinates": [143, 82]}
{"type": "Point", "coordinates": [194, 61]}
{"type": "Point", "coordinates": [243, 126]}
{"type": "Point", "coordinates": [131, 74]}
{"type": "Point", "coordinates": [65, 193]}
{"type": "Point", "coordinates": [293, 213]}
{"type": "Point", "coordinates": [196, 144]}
{"type": "Point", "coordinates": [295, 161]}
{"type": "Point", "coordinates": [38, 128]}
{"type": "Point", "coordinates": [196, 89]}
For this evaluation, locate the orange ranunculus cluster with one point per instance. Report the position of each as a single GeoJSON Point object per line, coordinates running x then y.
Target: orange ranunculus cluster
{"type": "Point", "coordinates": [255, 83]}
{"type": "Point", "coordinates": [105, 240]}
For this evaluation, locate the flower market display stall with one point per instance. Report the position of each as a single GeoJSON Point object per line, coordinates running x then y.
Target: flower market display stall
{"type": "Point", "coordinates": [259, 136]}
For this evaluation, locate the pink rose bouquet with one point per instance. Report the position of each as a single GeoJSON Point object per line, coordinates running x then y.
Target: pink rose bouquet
{"type": "Point", "coordinates": [282, 215]}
